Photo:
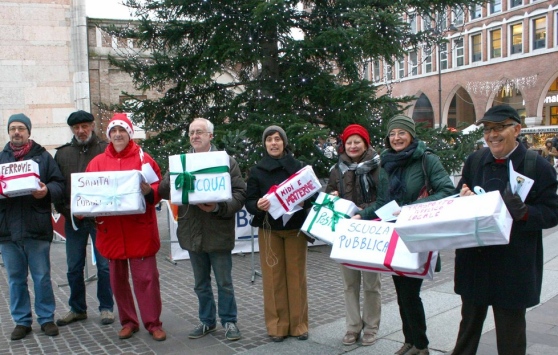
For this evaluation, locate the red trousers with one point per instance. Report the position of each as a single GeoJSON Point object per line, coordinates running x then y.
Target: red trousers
{"type": "Point", "coordinates": [145, 278]}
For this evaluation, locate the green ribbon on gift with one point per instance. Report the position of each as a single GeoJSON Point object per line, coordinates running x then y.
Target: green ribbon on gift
{"type": "Point", "coordinates": [328, 203]}
{"type": "Point", "coordinates": [185, 179]}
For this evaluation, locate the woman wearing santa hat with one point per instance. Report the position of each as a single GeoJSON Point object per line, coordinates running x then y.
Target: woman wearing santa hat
{"type": "Point", "coordinates": [355, 178]}
{"type": "Point", "coordinates": [130, 242]}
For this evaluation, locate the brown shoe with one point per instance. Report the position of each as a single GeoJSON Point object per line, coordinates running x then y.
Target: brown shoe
{"type": "Point", "coordinates": [159, 335]}
{"type": "Point", "coordinates": [127, 332]}
{"type": "Point", "coordinates": [350, 338]}
{"type": "Point", "coordinates": [406, 347]}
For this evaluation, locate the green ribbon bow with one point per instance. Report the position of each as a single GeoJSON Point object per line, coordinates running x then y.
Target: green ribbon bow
{"type": "Point", "coordinates": [328, 203]}
{"type": "Point", "coordinates": [185, 179]}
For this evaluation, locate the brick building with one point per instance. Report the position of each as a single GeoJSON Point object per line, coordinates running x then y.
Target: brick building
{"type": "Point", "coordinates": [502, 52]}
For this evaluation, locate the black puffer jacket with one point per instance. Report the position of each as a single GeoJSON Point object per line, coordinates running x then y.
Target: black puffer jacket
{"type": "Point", "coordinates": [25, 216]}
{"type": "Point", "coordinates": [263, 176]}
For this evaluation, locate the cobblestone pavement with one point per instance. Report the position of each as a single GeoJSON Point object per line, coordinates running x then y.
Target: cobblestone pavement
{"type": "Point", "coordinates": [180, 307]}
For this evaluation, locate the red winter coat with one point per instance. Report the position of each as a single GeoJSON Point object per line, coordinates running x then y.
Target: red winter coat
{"type": "Point", "coordinates": [128, 236]}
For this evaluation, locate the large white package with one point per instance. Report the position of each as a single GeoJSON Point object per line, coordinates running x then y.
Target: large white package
{"type": "Point", "coordinates": [19, 178]}
{"type": "Point", "coordinates": [375, 246]}
{"type": "Point", "coordinates": [200, 178]}
{"type": "Point", "coordinates": [458, 222]}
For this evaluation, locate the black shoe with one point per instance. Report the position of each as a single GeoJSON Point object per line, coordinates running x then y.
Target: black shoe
{"type": "Point", "coordinates": [277, 339]}
{"type": "Point", "coordinates": [50, 329]}
{"type": "Point", "coordinates": [303, 336]}
{"type": "Point", "coordinates": [20, 331]}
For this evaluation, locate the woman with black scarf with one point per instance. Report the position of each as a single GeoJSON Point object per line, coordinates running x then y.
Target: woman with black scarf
{"type": "Point", "coordinates": [402, 179]}
{"type": "Point", "coordinates": [355, 178]}
{"type": "Point", "coordinates": [283, 247]}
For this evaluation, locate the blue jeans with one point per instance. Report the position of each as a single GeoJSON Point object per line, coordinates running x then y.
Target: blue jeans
{"type": "Point", "coordinates": [20, 258]}
{"type": "Point", "coordinates": [222, 266]}
{"type": "Point", "coordinates": [76, 256]}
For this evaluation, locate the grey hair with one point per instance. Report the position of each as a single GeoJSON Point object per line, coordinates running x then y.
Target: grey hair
{"type": "Point", "coordinates": [207, 123]}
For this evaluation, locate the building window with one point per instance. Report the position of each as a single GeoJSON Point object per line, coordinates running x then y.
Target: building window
{"type": "Point", "coordinates": [457, 16]}
{"type": "Point", "coordinates": [441, 21]}
{"type": "Point", "coordinates": [426, 23]}
{"type": "Point", "coordinates": [376, 71]}
{"type": "Point", "coordinates": [475, 12]}
{"type": "Point", "coordinates": [516, 38]}
{"type": "Point", "coordinates": [539, 33]}
{"type": "Point", "coordinates": [366, 71]}
{"type": "Point", "coordinates": [413, 63]}
{"type": "Point", "coordinates": [476, 48]}
{"type": "Point", "coordinates": [496, 43]}
{"type": "Point", "coordinates": [401, 68]}
{"type": "Point", "coordinates": [443, 48]}
{"type": "Point", "coordinates": [389, 75]}
{"type": "Point", "coordinates": [377, 77]}
{"type": "Point", "coordinates": [413, 23]}
{"type": "Point", "coordinates": [515, 3]}
{"type": "Point", "coordinates": [459, 53]}
{"type": "Point", "coordinates": [427, 59]}
{"type": "Point", "coordinates": [495, 6]}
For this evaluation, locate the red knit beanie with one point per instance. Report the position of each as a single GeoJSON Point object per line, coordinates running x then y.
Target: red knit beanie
{"type": "Point", "coordinates": [122, 120]}
{"type": "Point", "coordinates": [355, 129]}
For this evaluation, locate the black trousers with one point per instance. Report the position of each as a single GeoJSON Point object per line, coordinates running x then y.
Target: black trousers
{"type": "Point", "coordinates": [411, 310]}
{"type": "Point", "coordinates": [511, 338]}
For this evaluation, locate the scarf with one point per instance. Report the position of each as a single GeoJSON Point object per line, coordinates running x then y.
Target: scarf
{"type": "Point", "coordinates": [393, 163]}
{"type": "Point", "coordinates": [361, 171]}
{"type": "Point", "coordinates": [22, 150]}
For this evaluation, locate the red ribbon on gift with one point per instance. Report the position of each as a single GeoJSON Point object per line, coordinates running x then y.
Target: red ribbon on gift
{"type": "Point", "coordinates": [3, 180]}
{"type": "Point", "coordinates": [273, 190]}
{"type": "Point", "coordinates": [389, 259]}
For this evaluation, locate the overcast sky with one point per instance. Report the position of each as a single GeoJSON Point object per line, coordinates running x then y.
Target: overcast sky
{"type": "Point", "coordinates": [106, 9]}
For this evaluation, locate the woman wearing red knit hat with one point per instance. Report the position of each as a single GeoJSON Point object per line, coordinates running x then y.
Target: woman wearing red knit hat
{"type": "Point", "coordinates": [355, 178]}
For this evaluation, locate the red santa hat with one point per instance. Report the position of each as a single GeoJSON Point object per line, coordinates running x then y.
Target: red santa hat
{"type": "Point", "coordinates": [122, 120]}
{"type": "Point", "coordinates": [356, 129]}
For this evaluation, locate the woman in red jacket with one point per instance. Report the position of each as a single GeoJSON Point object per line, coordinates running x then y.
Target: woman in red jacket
{"type": "Point", "coordinates": [131, 241]}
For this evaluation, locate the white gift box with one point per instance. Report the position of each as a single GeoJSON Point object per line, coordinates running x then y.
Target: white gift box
{"type": "Point", "coordinates": [322, 219]}
{"type": "Point", "coordinates": [19, 178]}
{"type": "Point", "coordinates": [107, 193]}
{"type": "Point", "coordinates": [200, 178]}
{"type": "Point", "coordinates": [375, 246]}
{"type": "Point", "coordinates": [458, 222]}
{"type": "Point", "coordinates": [297, 188]}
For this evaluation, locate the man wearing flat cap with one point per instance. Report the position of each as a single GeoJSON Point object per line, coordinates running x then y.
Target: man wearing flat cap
{"type": "Point", "coordinates": [26, 232]}
{"type": "Point", "coordinates": [506, 277]}
{"type": "Point", "coordinates": [73, 157]}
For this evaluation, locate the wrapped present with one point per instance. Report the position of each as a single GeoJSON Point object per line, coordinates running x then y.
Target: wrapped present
{"type": "Point", "coordinates": [19, 178]}
{"type": "Point", "coordinates": [323, 217]}
{"type": "Point", "coordinates": [457, 222]}
{"type": "Point", "coordinates": [375, 246]}
{"type": "Point", "coordinates": [200, 178]}
{"type": "Point", "coordinates": [107, 193]}
{"type": "Point", "coordinates": [297, 188]}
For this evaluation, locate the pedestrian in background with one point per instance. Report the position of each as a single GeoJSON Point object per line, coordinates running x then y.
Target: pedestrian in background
{"type": "Point", "coordinates": [355, 178]}
{"type": "Point", "coordinates": [549, 152]}
{"type": "Point", "coordinates": [402, 178]}
{"type": "Point", "coordinates": [131, 242]}
{"type": "Point", "coordinates": [26, 232]}
{"type": "Point", "coordinates": [73, 157]}
{"type": "Point", "coordinates": [283, 248]}
{"type": "Point", "coordinates": [207, 231]}
{"type": "Point", "coordinates": [506, 277]}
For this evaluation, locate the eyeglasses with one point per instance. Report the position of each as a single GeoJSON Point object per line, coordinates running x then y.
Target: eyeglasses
{"type": "Point", "coordinates": [196, 133]}
{"type": "Point", "coordinates": [19, 129]}
{"type": "Point", "coordinates": [497, 128]}
{"type": "Point", "coordinates": [400, 134]}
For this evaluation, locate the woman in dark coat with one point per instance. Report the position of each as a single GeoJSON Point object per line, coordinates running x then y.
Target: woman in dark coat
{"type": "Point", "coordinates": [402, 179]}
{"type": "Point", "coordinates": [283, 248]}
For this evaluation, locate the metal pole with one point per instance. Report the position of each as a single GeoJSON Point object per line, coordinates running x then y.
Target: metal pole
{"type": "Point", "coordinates": [439, 85]}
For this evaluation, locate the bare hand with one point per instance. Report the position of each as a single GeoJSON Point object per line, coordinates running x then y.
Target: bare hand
{"type": "Point", "coordinates": [356, 216]}
{"type": "Point", "coordinates": [466, 191]}
{"type": "Point", "coordinates": [145, 188]}
{"type": "Point", "coordinates": [206, 207]}
{"type": "Point", "coordinates": [263, 204]}
{"type": "Point", "coordinates": [334, 193]}
{"type": "Point", "coordinates": [41, 192]}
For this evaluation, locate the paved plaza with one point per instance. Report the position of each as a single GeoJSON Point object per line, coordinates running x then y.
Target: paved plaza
{"type": "Point", "coordinates": [326, 312]}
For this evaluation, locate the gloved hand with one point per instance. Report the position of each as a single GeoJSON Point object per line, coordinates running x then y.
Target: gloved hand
{"type": "Point", "coordinates": [515, 206]}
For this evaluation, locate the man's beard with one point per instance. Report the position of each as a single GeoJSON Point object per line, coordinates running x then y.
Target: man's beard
{"type": "Point", "coordinates": [85, 141]}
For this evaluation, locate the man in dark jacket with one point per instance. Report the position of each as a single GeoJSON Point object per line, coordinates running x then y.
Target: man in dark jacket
{"type": "Point", "coordinates": [73, 157]}
{"type": "Point", "coordinates": [506, 277]}
{"type": "Point", "coordinates": [26, 232]}
{"type": "Point", "coordinates": [207, 231]}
